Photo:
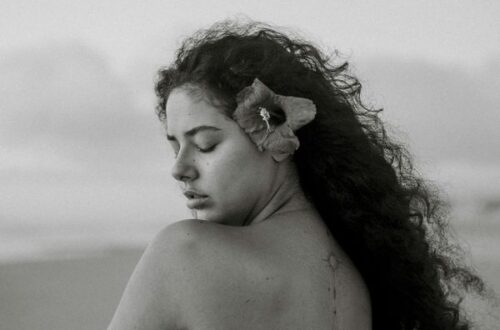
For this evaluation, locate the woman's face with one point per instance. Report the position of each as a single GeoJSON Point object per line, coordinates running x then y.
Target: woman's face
{"type": "Point", "coordinates": [215, 159]}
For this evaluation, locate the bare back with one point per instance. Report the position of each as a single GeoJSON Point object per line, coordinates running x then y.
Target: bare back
{"type": "Point", "coordinates": [326, 290]}
{"type": "Point", "coordinates": [283, 273]}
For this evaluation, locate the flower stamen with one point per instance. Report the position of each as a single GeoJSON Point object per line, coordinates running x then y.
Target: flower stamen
{"type": "Point", "coordinates": [265, 116]}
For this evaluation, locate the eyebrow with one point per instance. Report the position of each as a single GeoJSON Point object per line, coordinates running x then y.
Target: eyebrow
{"type": "Point", "coordinates": [194, 131]}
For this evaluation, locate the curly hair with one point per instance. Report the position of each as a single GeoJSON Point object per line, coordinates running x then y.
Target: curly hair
{"type": "Point", "coordinates": [390, 221]}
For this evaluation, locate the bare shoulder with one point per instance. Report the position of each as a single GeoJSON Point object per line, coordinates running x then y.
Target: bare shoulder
{"type": "Point", "coordinates": [225, 280]}
{"type": "Point", "coordinates": [148, 302]}
{"type": "Point", "coordinates": [199, 275]}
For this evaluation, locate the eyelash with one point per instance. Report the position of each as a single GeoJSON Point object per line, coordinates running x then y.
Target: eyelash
{"type": "Point", "coordinates": [207, 149]}
{"type": "Point", "coordinates": [200, 150]}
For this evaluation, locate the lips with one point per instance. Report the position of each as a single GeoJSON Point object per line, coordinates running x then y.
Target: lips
{"type": "Point", "coordinates": [196, 200]}
{"type": "Point", "coordinates": [192, 194]}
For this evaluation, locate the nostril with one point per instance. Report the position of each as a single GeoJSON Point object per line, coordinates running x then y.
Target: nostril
{"type": "Point", "coordinates": [183, 171]}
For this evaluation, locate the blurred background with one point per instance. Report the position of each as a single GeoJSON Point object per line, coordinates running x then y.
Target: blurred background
{"type": "Point", "coordinates": [85, 169]}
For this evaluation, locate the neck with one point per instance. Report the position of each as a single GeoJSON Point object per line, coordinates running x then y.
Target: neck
{"type": "Point", "coordinates": [286, 196]}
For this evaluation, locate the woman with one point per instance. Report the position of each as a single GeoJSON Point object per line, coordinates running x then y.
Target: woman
{"type": "Point", "coordinates": [306, 216]}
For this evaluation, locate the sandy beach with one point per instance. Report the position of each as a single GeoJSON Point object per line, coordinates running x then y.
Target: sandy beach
{"type": "Point", "coordinates": [76, 294]}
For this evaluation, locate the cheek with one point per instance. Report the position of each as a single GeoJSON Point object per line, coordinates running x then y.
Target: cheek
{"type": "Point", "coordinates": [236, 170]}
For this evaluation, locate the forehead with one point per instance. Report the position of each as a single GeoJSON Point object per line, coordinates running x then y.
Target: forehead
{"type": "Point", "coordinates": [186, 109]}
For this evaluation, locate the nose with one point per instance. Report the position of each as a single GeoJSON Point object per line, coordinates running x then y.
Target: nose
{"type": "Point", "coordinates": [184, 169]}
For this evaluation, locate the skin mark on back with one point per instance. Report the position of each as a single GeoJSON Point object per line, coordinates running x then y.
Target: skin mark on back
{"type": "Point", "coordinates": [333, 263]}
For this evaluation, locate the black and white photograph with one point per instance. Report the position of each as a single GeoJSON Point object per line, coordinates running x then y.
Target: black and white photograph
{"type": "Point", "coordinates": [267, 165]}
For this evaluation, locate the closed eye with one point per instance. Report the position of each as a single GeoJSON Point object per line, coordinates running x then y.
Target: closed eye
{"type": "Point", "coordinates": [207, 149]}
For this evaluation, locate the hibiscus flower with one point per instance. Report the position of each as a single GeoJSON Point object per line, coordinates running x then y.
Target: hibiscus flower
{"type": "Point", "coordinates": [258, 113]}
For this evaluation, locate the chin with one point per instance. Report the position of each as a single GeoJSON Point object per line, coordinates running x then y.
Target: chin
{"type": "Point", "coordinates": [217, 218]}
{"type": "Point", "coordinates": [204, 216]}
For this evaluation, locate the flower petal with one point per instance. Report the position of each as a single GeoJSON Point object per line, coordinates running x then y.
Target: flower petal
{"type": "Point", "coordinates": [282, 142]}
{"type": "Point", "coordinates": [259, 137]}
{"type": "Point", "coordinates": [255, 94]}
{"type": "Point", "coordinates": [298, 110]}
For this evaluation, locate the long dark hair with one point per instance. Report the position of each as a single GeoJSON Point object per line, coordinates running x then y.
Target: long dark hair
{"type": "Point", "coordinates": [388, 220]}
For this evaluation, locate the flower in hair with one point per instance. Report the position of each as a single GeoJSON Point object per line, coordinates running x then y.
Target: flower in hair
{"type": "Point", "coordinates": [258, 108]}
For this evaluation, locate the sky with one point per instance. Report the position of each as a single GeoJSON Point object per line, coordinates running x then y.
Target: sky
{"type": "Point", "coordinates": [80, 144]}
